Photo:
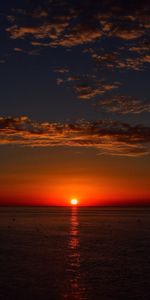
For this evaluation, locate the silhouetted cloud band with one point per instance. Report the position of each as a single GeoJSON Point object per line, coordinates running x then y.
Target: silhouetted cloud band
{"type": "Point", "coordinates": [113, 137]}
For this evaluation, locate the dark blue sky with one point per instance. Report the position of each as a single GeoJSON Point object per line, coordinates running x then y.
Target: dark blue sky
{"type": "Point", "coordinates": [77, 61]}
{"type": "Point", "coordinates": [103, 47]}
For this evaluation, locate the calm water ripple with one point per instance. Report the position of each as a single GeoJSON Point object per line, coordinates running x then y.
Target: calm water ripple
{"type": "Point", "coordinates": [74, 253]}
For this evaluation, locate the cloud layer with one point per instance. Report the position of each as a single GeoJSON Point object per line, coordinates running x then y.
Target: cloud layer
{"type": "Point", "coordinates": [71, 23]}
{"type": "Point", "coordinates": [68, 24]}
{"type": "Point", "coordinates": [85, 91]}
{"type": "Point", "coordinates": [123, 104]}
{"type": "Point", "coordinates": [109, 137]}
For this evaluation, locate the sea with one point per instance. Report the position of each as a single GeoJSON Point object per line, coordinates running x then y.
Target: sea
{"type": "Point", "coordinates": [74, 253]}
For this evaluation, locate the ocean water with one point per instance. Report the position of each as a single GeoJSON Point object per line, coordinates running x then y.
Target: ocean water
{"type": "Point", "coordinates": [88, 253]}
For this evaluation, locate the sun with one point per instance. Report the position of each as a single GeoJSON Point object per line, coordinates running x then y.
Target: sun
{"type": "Point", "coordinates": [74, 201]}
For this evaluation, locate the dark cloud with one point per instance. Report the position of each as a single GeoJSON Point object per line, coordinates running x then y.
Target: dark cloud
{"type": "Point", "coordinates": [68, 24]}
{"type": "Point", "coordinates": [73, 78]}
{"type": "Point", "coordinates": [127, 33]}
{"type": "Point", "coordinates": [79, 35]}
{"type": "Point", "coordinates": [85, 91]}
{"type": "Point", "coordinates": [28, 52]}
{"type": "Point", "coordinates": [123, 105]}
{"type": "Point", "coordinates": [121, 58]}
{"type": "Point", "coordinates": [46, 30]}
{"type": "Point", "coordinates": [72, 23]}
{"type": "Point", "coordinates": [111, 137]}
{"type": "Point", "coordinates": [59, 81]}
{"type": "Point", "coordinates": [61, 70]}
{"type": "Point", "coordinates": [87, 86]}
{"type": "Point", "coordinates": [140, 48]}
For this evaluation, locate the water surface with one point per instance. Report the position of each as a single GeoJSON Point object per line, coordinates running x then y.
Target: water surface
{"type": "Point", "coordinates": [89, 253]}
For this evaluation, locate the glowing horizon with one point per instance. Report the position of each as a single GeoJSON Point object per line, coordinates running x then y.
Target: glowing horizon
{"type": "Point", "coordinates": [106, 181]}
{"type": "Point", "coordinates": [74, 123]}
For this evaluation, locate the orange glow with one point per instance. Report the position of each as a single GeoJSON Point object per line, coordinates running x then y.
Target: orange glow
{"type": "Point", "coordinates": [45, 178]}
{"type": "Point", "coordinates": [74, 201]}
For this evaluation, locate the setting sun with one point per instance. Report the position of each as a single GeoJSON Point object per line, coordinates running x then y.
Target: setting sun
{"type": "Point", "coordinates": [74, 201]}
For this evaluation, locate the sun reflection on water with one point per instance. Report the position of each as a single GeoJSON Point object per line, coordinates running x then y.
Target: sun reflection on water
{"type": "Point", "coordinates": [77, 290]}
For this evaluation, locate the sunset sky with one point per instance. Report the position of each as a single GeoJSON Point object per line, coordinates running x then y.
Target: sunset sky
{"type": "Point", "coordinates": [75, 102]}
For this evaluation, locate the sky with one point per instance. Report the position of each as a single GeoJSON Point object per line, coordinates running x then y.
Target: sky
{"type": "Point", "coordinates": [75, 102]}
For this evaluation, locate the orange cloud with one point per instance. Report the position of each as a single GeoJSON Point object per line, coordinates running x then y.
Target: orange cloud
{"type": "Point", "coordinates": [111, 137]}
{"type": "Point", "coordinates": [92, 21]}
{"type": "Point", "coordinates": [85, 92]}
{"type": "Point", "coordinates": [80, 34]}
{"type": "Point", "coordinates": [127, 34]}
{"type": "Point", "coordinates": [46, 30]}
{"type": "Point", "coordinates": [123, 105]}
{"type": "Point", "coordinates": [120, 59]}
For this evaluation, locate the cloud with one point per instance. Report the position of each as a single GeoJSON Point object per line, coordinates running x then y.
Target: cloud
{"type": "Point", "coordinates": [46, 30]}
{"type": "Point", "coordinates": [109, 137]}
{"type": "Point", "coordinates": [127, 33]}
{"type": "Point", "coordinates": [73, 78]}
{"type": "Point", "coordinates": [121, 58]}
{"type": "Point", "coordinates": [18, 50]}
{"type": "Point", "coordinates": [68, 23]}
{"type": "Point", "coordinates": [98, 24]}
{"type": "Point", "coordinates": [87, 86]}
{"type": "Point", "coordinates": [79, 35]}
{"type": "Point", "coordinates": [123, 104]}
{"type": "Point", "coordinates": [146, 58]}
{"type": "Point", "coordinates": [28, 52]}
{"type": "Point", "coordinates": [86, 91]}
{"type": "Point", "coordinates": [61, 70]}
{"type": "Point", "coordinates": [140, 48]}
{"type": "Point", "coordinates": [59, 81]}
